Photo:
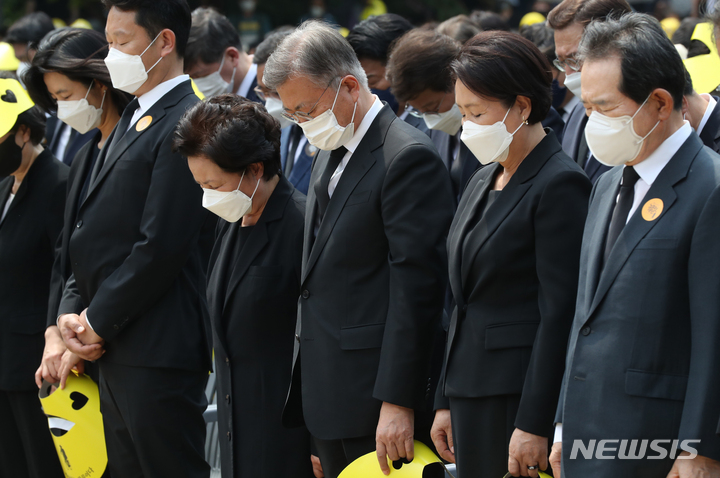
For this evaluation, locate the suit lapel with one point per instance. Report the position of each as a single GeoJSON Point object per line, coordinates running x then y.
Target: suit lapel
{"type": "Point", "coordinates": [256, 242]}
{"type": "Point", "coordinates": [39, 164]}
{"type": "Point", "coordinates": [321, 160]}
{"type": "Point", "coordinates": [711, 130]}
{"type": "Point", "coordinates": [458, 230]}
{"type": "Point", "coordinates": [79, 181]}
{"type": "Point", "coordinates": [5, 189]}
{"type": "Point", "coordinates": [637, 227]}
{"type": "Point", "coordinates": [360, 162]}
{"type": "Point", "coordinates": [217, 272]}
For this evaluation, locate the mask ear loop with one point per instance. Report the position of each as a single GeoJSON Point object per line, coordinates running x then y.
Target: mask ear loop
{"type": "Point", "coordinates": [90, 88]}
{"type": "Point", "coordinates": [241, 178]}
{"type": "Point", "coordinates": [653, 128]}
{"type": "Point", "coordinates": [256, 188]}
{"type": "Point", "coordinates": [146, 49]}
{"type": "Point", "coordinates": [518, 128]}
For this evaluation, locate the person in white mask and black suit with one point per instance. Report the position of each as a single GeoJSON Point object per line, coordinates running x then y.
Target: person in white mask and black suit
{"type": "Point", "coordinates": [68, 77]}
{"type": "Point", "coordinates": [215, 59]}
{"type": "Point", "coordinates": [233, 150]}
{"type": "Point", "coordinates": [138, 254]}
{"type": "Point", "coordinates": [569, 19]}
{"type": "Point", "coordinates": [641, 377]}
{"type": "Point", "coordinates": [513, 253]}
{"type": "Point", "coordinates": [374, 265]}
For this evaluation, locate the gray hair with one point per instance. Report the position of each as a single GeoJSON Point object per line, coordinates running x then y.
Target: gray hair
{"type": "Point", "coordinates": [315, 51]}
{"type": "Point", "coordinates": [648, 59]}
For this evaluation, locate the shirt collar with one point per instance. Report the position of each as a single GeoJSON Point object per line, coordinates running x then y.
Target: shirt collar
{"type": "Point", "coordinates": [708, 111]}
{"type": "Point", "coordinates": [247, 81]}
{"type": "Point", "coordinates": [147, 100]}
{"type": "Point", "coordinates": [650, 168]}
{"type": "Point", "coordinates": [370, 116]}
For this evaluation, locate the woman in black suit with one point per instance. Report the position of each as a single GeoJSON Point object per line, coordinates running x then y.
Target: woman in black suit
{"type": "Point", "coordinates": [513, 254]}
{"type": "Point", "coordinates": [32, 197]}
{"type": "Point", "coordinates": [233, 150]}
{"type": "Point", "coordinates": [68, 76]}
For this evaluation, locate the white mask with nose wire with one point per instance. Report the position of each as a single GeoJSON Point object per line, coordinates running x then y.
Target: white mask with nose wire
{"type": "Point", "coordinates": [324, 132]}
{"type": "Point", "coordinates": [127, 72]}
{"type": "Point", "coordinates": [79, 114]}
{"type": "Point", "coordinates": [213, 84]}
{"type": "Point", "coordinates": [229, 205]}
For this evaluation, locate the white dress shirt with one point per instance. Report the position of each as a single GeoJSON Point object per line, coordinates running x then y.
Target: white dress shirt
{"type": "Point", "coordinates": [147, 100]}
{"type": "Point", "coordinates": [7, 207]}
{"type": "Point", "coordinates": [247, 81]}
{"type": "Point", "coordinates": [648, 170]}
{"type": "Point", "coordinates": [708, 111]}
{"type": "Point", "coordinates": [352, 145]}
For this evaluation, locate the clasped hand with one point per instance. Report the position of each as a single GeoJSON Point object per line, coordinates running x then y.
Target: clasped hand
{"type": "Point", "coordinates": [79, 337]}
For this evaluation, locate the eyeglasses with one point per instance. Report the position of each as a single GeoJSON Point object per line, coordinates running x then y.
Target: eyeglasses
{"type": "Point", "coordinates": [300, 115]}
{"type": "Point", "coordinates": [573, 64]}
{"type": "Point", "coordinates": [260, 93]}
{"type": "Point", "coordinates": [418, 114]}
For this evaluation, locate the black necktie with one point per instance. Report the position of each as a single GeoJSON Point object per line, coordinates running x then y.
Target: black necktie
{"type": "Point", "coordinates": [295, 135]}
{"type": "Point", "coordinates": [120, 131]}
{"type": "Point", "coordinates": [622, 208]}
{"type": "Point", "coordinates": [321, 185]}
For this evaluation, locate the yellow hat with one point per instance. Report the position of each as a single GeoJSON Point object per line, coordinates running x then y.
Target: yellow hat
{"type": "Point", "coordinates": [59, 23]}
{"type": "Point", "coordinates": [531, 19]}
{"type": "Point", "coordinates": [425, 464]}
{"type": "Point", "coordinates": [76, 425]}
{"type": "Point", "coordinates": [8, 62]}
{"type": "Point", "coordinates": [669, 25]}
{"type": "Point", "coordinates": [13, 101]}
{"type": "Point", "coordinates": [81, 23]}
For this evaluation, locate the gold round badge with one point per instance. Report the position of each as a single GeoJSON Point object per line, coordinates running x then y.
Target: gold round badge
{"type": "Point", "coordinates": [143, 123]}
{"type": "Point", "coordinates": [652, 209]}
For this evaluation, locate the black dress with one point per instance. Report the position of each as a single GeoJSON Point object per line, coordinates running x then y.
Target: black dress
{"type": "Point", "coordinates": [253, 288]}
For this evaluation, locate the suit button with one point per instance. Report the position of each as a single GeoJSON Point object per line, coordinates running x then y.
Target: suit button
{"type": "Point", "coordinates": [79, 224]}
{"type": "Point", "coordinates": [229, 437]}
{"type": "Point", "coordinates": [464, 309]}
{"type": "Point", "coordinates": [305, 294]}
{"type": "Point", "coordinates": [297, 337]}
{"type": "Point", "coordinates": [227, 360]}
{"type": "Point", "coordinates": [585, 331]}
{"type": "Point", "coordinates": [116, 327]}
{"type": "Point", "coordinates": [227, 398]}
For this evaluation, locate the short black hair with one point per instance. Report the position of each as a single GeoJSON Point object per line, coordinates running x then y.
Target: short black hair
{"type": "Point", "coordinates": [210, 35]}
{"type": "Point", "coordinates": [231, 131]}
{"type": "Point", "coordinates": [76, 53]}
{"type": "Point", "coordinates": [648, 59]}
{"type": "Point", "coordinates": [371, 39]}
{"type": "Point", "coordinates": [502, 66]}
{"type": "Point", "coordinates": [420, 60]}
{"type": "Point", "coordinates": [269, 44]}
{"type": "Point", "coordinates": [489, 21]}
{"type": "Point", "coordinates": [157, 15]}
{"type": "Point", "coordinates": [30, 29]}
{"type": "Point", "coordinates": [689, 89]}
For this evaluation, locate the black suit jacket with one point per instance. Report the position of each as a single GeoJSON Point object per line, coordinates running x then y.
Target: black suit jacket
{"type": "Point", "coordinates": [508, 332]}
{"type": "Point", "coordinates": [136, 251]}
{"type": "Point", "coordinates": [461, 167]}
{"type": "Point", "coordinates": [61, 271]}
{"type": "Point", "coordinates": [643, 359]}
{"type": "Point", "coordinates": [710, 135]}
{"type": "Point", "coordinates": [373, 282]}
{"type": "Point", "coordinates": [574, 144]}
{"type": "Point", "coordinates": [252, 297]}
{"type": "Point", "coordinates": [53, 132]}
{"type": "Point", "coordinates": [27, 244]}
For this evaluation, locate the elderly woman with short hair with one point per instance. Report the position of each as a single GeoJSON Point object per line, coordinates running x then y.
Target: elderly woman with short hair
{"type": "Point", "coordinates": [513, 253]}
{"type": "Point", "coordinates": [233, 150]}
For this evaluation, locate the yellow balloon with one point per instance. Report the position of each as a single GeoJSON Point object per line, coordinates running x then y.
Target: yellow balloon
{"type": "Point", "coordinates": [425, 461]}
{"type": "Point", "coordinates": [81, 23]}
{"type": "Point", "coordinates": [8, 62]}
{"type": "Point", "coordinates": [76, 426]}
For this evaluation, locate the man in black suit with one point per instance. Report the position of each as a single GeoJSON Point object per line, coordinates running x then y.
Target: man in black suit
{"type": "Point", "coordinates": [643, 361]}
{"type": "Point", "coordinates": [374, 262]}
{"type": "Point", "coordinates": [569, 20]}
{"type": "Point", "coordinates": [703, 113]}
{"type": "Point", "coordinates": [138, 258]}
{"type": "Point", "coordinates": [215, 58]}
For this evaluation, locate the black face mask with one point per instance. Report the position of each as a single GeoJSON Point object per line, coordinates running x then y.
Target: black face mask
{"type": "Point", "coordinates": [10, 156]}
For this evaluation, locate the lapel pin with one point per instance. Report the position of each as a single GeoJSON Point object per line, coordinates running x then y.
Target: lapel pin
{"type": "Point", "coordinates": [652, 209]}
{"type": "Point", "coordinates": [143, 123]}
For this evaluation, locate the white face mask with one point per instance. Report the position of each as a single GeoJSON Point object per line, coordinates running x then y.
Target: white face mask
{"type": "Point", "coordinates": [275, 107]}
{"type": "Point", "coordinates": [127, 72]}
{"type": "Point", "coordinates": [613, 141]}
{"type": "Point", "coordinates": [229, 205]}
{"type": "Point", "coordinates": [79, 114]}
{"type": "Point", "coordinates": [572, 83]}
{"type": "Point", "coordinates": [213, 84]}
{"type": "Point", "coordinates": [488, 142]}
{"type": "Point", "coordinates": [325, 133]}
{"type": "Point", "coordinates": [448, 122]}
